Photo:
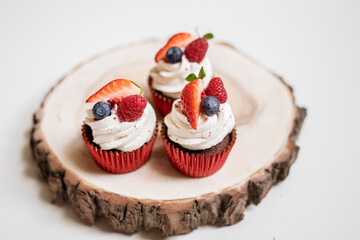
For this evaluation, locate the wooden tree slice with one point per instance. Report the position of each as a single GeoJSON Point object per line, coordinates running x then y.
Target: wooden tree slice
{"type": "Point", "coordinates": [156, 196]}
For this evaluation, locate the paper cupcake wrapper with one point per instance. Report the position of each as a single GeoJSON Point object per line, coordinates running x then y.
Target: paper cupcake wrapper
{"type": "Point", "coordinates": [196, 165]}
{"type": "Point", "coordinates": [162, 102]}
{"type": "Point", "coordinates": [115, 161]}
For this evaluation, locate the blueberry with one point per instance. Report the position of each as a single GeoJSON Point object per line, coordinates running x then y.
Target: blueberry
{"type": "Point", "coordinates": [210, 105]}
{"type": "Point", "coordinates": [101, 110]}
{"type": "Point", "coordinates": [173, 55]}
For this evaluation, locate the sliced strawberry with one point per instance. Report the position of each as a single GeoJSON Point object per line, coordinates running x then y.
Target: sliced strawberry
{"type": "Point", "coordinates": [178, 40]}
{"type": "Point", "coordinates": [117, 88]}
{"type": "Point", "coordinates": [191, 99]}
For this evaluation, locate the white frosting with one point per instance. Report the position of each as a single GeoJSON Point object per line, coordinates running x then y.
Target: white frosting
{"type": "Point", "coordinates": [170, 78]}
{"type": "Point", "coordinates": [210, 130]}
{"type": "Point", "coordinates": [111, 133]}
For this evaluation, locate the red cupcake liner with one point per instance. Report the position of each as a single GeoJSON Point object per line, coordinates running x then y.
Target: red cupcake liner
{"type": "Point", "coordinates": [115, 161]}
{"type": "Point", "coordinates": [196, 165]}
{"type": "Point", "coordinates": [162, 102]}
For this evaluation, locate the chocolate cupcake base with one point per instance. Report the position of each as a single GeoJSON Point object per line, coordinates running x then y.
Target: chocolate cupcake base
{"type": "Point", "coordinates": [207, 152]}
{"type": "Point", "coordinates": [200, 163]}
{"type": "Point", "coordinates": [116, 161]}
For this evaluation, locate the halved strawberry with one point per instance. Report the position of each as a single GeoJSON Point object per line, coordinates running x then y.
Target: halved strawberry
{"type": "Point", "coordinates": [191, 99]}
{"type": "Point", "coordinates": [178, 40]}
{"type": "Point", "coordinates": [117, 88]}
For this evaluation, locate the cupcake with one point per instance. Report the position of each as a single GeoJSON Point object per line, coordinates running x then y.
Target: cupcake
{"type": "Point", "coordinates": [183, 54]}
{"type": "Point", "coordinates": [120, 127]}
{"type": "Point", "coordinates": [199, 132]}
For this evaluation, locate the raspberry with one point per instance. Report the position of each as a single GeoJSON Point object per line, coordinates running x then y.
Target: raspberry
{"type": "Point", "coordinates": [203, 94]}
{"type": "Point", "coordinates": [113, 102]}
{"type": "Point", "coordinates": [216, 88]}
{"type": "Point", "coordinates": [196, 50]}
{"type": "Point", "coordinates": [131, 108]}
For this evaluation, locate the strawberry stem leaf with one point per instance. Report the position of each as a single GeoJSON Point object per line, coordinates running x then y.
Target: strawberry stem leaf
{"type": "Point", "coordinates": [191, 77]}
{"type": "Point", "coordinates": [208, 36]}
{"type": "Point", "coordinates": [141, 91]}
{"type": "Point", "coordinates": [202, 73]}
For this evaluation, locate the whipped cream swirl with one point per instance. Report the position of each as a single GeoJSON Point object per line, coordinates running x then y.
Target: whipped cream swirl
{"type": "Point", "coordinates": [210, 130]}
{"type": "Point", "coordinates": [111, 133]}
{"type": "Point", "coordinates": [169, 78]}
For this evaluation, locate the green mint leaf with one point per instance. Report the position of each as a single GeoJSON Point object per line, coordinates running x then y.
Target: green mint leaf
{"type": "Point", "coordinates": [208, 36]}
{"type": "Point", "coordinates": [202, 73]}
{"type": "Point", "coordinates": [191, 77]}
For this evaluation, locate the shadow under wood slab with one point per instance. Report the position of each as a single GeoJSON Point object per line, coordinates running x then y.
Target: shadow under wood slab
{"type": "Point", "coordinates": [268, 123]}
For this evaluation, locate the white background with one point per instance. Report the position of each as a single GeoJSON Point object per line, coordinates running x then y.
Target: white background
{"type": "Point", "coordinates": [314, 45]}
